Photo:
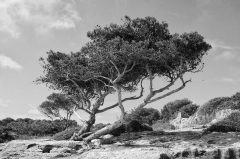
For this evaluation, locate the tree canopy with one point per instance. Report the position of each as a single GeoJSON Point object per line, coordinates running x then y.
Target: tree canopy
{"type": "Point", "coordinates": [119, 57]}
{"type": "Point", "coordinates": [57, 106]}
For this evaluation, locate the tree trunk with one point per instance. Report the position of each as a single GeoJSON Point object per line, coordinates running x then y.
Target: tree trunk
{"type": "Point", "coordinates": [106, 130]}
{"type": "Point", "coordinates": [85, 128]}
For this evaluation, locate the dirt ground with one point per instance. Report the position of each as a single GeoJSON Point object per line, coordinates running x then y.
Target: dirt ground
{"type": "Point", "coordinates": [159, 145]}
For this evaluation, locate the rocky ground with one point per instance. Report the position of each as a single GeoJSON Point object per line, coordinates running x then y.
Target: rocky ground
{"type": "Point", "coordinates": [144, 145]}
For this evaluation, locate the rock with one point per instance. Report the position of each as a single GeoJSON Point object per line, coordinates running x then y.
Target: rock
{"type": "Point", "coordinates": [61, 150]}
{"type": "Point", "coordinates": [165, 156]}
{"type": "Point", "coordinates": [47, 148]}
{"type": "Point", "coordinates": [217, 154]}
{"type": "Point", "coordinates": [108, 136]}
{"type": "Point", "coordinates": [230, 154]}
{"type": "Point", "coordinates": [96, 143]}
{"type": "Point", "coordinates": [107, 139]}
{"type": "Point", "coordinates": [186, 153]}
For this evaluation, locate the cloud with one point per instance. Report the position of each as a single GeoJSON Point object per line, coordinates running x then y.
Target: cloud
{"type": "Point", "coordinates": [217, 44]}
{"type": "Point", "coordinates": [228, 55]}
{"type": "Point", "coordinates": [7, 62]}
{"type": "Point", "coordinates": [33, 110]}
{"type": "Point", "coordinates": [4, 103]}
{"type": "Point", "coordinates": [223, 51]}
{"type": "Point", "coordinates": [42, 15]}
{"type": "Point", "coordinates": [230, 80]}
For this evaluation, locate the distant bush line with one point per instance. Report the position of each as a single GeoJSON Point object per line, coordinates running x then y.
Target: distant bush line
{"type": "Point", "coordinates": [11, 129]}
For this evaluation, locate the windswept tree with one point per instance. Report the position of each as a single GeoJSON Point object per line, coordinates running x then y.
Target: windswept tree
{"type": "Point", "coordinates": [59, 106]}
{"type": "Point", "coordinates": [119, 58]}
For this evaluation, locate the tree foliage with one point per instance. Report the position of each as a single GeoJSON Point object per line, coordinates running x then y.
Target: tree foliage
{"type": "Point", "coordinates": [58, 106]}
{"type": "Point", "coordinates": [144, 115]}
{"type": "Point", "coordinates": [119, 58]}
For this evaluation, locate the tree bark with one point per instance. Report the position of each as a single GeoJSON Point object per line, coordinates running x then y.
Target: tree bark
{"type": "Point", "coordinates": [85, 128]}
{"type": "Point", "coordinates": [106, 130]}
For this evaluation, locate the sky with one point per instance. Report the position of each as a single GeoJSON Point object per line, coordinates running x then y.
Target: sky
{"type": "Point", "coordinates": [30, 28]}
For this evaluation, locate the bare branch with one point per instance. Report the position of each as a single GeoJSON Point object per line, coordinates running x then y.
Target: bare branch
{"type": "Point", "coordinates": [164, 88]}
{"type": "Point", "coordinates": [115, 66]}
{"type": "Point", "coordinates": [171, 92]}
{"type": "Point", "coordinates": [130, 69]}
{"type": "Point", "coordinates": [100, 100]}
{"type": "Point", "coordinates": [125, 99]}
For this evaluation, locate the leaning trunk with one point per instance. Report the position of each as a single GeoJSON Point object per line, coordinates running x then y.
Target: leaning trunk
{"type": "Point", "coordinates": [106, 130]}
{"type": "Point", "coordinates": [85, 128]}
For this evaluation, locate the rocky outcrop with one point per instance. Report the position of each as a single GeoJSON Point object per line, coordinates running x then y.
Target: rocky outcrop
{"type": "Point", "coordinates": [197, 120]}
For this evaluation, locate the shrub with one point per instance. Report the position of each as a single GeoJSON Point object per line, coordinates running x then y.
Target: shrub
{"type": "Point", "coordinates": [66, 134]}
{"type": "Point", "coordinates": [171, 109]}
{"type": "Point", "coordinates": [220, 103]}
{"type": "Point", "coordinates": [162, 125]}
{"type": "Point", "coordinates": [231, 123]}
{"type": "Point", "coordinates": [144, 115]}
{"type": "Point", "coordinates": [6, 134]}
{"type": "Point", "coordinates": [188, 110]}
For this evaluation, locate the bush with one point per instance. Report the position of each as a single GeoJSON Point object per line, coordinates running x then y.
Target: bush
{"type": "Point", "coordinates": [188, 110]}
{"type": "Point", "coordinates": [66, 134]}
{"type": "Point", "coordinates": [162, 125]}
{"type": "Point", "coordinates": [28, 128]}
{"type": "Point", "coordinates": [144, 115]}
{"type": "Point", "coordinates": [220, 103]}
{"type": "Point", "coordinates": [231, 123]}
{"type": "Point", "coordinates": [6, 134]}
{"type": "Point", "coordinates": [171, 109]}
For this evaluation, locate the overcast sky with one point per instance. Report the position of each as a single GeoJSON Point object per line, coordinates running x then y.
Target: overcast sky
{"type": "Point", "coordinates": [30, 28]}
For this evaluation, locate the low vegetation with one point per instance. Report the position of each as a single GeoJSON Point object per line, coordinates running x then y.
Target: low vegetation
{"type": "Point", "coordinates": [144, 115]}
{"type": "Point", "coordinates": [66, 134]}
{"type": "Point", "coordinates": [220, 103]}
{"type": "Point", "coordinates": [185, 106]}
{"type": "Point", "coordinates": [229, 124]}
{"type": "Point", "coordinates": [12, 129]}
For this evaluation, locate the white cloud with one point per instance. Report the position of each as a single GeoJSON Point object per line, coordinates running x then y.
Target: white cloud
{"type": "Point", "coordinates": [216, 44]}
{"type": "Point", "coordinates": [7, 62]}
{"type": "Point", "coordinates": [33, 110]}
{"type": "Point", "coordinates": [223, 51]}
{"type": "Point", "coordinates": [228, 55]}
{"type": "Point", "coordinates": [42, 15]}
{"type": "Point", "coordinates": [4, 103]}
{"type": "Point", "coordinates": [230, 79]}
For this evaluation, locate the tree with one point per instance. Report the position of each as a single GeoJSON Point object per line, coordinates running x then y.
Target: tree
{"type": "Point", "coordinates": [118, 59]}
{"type": "Point", "coordinates": [58, 106]}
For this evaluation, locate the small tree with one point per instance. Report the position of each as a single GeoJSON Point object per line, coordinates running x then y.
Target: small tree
{"type": "Point", "coordinates": [119, 58]}
{"type": "Point", "coordinates": [58, 106]}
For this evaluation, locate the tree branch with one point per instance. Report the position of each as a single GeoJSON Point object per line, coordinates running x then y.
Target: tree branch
{"type": "Point", "coordinates": [115, 66]}
{"type": "Point", "coordinates": [124, 100]}
{"type": "Point", "coordinates": [169, 93]}
{"type": "Point", "coordinates": [99, 101]}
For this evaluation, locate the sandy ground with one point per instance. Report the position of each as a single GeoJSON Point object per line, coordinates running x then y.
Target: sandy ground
{"type": "Point", "coordinates": [144, 145]}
